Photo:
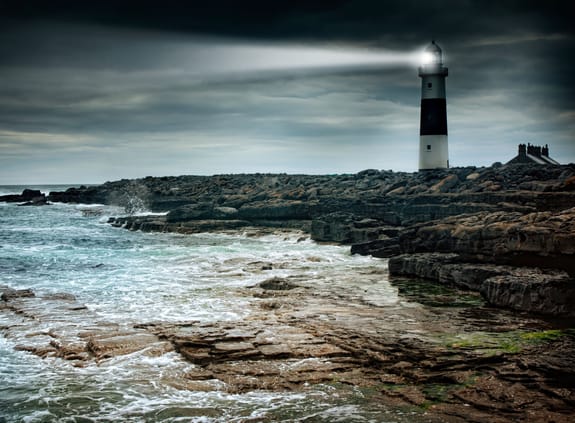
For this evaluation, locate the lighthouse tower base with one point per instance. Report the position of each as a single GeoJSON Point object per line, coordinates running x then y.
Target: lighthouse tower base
{"type": "Point", "coordinates": [433, 153]}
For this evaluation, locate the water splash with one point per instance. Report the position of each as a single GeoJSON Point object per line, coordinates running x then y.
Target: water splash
{"type": "Point", "coordinates": [133, 197]}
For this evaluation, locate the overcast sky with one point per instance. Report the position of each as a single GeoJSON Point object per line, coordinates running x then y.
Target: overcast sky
{"type": "Point", "coordinates": [97, 91]}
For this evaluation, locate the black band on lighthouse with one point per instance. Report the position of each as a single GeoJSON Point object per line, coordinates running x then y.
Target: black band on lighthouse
{"type": "Point", "coordinates": [433, 117]}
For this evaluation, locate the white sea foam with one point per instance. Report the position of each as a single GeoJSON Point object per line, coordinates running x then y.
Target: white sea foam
{"type": "Point", "coordinates": [126, 277]}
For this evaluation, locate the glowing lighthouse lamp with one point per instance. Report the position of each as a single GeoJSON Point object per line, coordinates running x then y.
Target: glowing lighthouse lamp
{"type": "Point", "coordinates": [433, 151]}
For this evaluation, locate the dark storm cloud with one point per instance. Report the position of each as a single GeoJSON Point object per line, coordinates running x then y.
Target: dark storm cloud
{"type": "Point", "coordinates": [296, 19]}
{"type": "Point", "coordinates": [185, 88]}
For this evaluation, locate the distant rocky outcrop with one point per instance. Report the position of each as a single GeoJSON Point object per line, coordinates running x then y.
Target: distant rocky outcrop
{"type": "Point", "coordinates": [28, 197]}
{"type": "Point", "coordinates": [394, 198]}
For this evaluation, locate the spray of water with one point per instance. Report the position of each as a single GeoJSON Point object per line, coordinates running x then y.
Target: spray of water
{"type": "Point", "coordinates": [133, 197]}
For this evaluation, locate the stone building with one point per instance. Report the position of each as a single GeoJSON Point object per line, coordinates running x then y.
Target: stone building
{"type": "Point", "coordinates": [533, 154]}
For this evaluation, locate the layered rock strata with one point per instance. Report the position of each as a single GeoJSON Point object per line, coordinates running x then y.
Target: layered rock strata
{"type": "Point", "coordinates": [521, 288]}
{"type": "Point", "coordinates": [544, 239]}
{"type": "Point", "coordinates": [500, 255]}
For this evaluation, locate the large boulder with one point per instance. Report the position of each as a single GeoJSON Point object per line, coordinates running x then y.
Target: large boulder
{"type": "Point", "coordinates": [538, 292]}
{"type": "Point", "coordinates": [82, 195]}
{"type": "Point", "coordinates": [446, 184]}
{"type": "Point", "coordinates": [7, 293]}
{"type": "Point", "coordinates": [30, 194]}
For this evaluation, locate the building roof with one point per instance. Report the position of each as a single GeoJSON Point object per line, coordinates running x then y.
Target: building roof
{"type": "Point", "coordinates": [533, 154]}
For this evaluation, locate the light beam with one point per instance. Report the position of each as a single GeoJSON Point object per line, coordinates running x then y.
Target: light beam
{"type": "Point", "coordinates": [218, 57]}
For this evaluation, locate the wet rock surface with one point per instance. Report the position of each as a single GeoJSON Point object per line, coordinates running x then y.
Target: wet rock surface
{"type": "Point", "coordinates": [499, 254]}
{"type": "Point", "coordinates": [522, 288]}
{"type": "Point", "coordinates": [28, 197]}
{"type": "Point", "coordinates": [445, 358]}
{"type": "Point", "coordinates": [505, 232]}
{"type": "Point", "coordinates": [58, 326]}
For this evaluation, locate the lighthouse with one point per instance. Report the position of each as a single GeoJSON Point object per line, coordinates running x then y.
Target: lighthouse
{"type": "Point", "coordinates": [433, 151]}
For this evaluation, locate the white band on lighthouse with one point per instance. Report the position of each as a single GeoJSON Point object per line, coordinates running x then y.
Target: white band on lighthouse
{"type": "Point", "coordinates": [433, 153]}
{"type": "Point", "coordinates": [433, 146]}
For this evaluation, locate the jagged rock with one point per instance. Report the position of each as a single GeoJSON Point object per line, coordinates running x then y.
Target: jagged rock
{"type": "Point", "coordinates": [445, 184]}
{"type": "Point", "coordinates": [36, 201]}
{"type": "Point", "coordinates": [201, 211]}
{"type": "Point", "coordinates": [82, 195]}
{"type": "Point", "coordinates": [160, 224]}
{"type": "Point", "coordinates": [526, 289]}
{"type": "Point", "coordinates": [29, 194]}
{"type": "Point", "coordinates": [280, 210]}
{"type": "Point", "coordinates": [445, 268]}
{"type": "Point", "coordinates": [347, 228]}
{"type": "Point", "coordinates": [198, 211]}
{"type": "Point", "coordinates": [536, 292]}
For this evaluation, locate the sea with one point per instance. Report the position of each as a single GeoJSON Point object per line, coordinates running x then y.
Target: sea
{"type": "Point", "coordinates": [125, 277]}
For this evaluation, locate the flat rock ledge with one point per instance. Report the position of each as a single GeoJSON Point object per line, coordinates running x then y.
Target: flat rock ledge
{"type": "Point", "coordinates": [298, 338]}
{"type": "Point", "coordinates": [543, 291]}
{"type": "Point", "coordinates": [58, 326]}
{"type": "Point", "coordinates": [540, 239]}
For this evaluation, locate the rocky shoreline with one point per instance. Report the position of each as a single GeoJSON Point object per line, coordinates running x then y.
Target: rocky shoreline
{"type": "Point", "coordinates": [490, 338]}
{"type": "Point", "coordinates": [448, 361]}
{"type": "Point", "coordinates": [515, 215]}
